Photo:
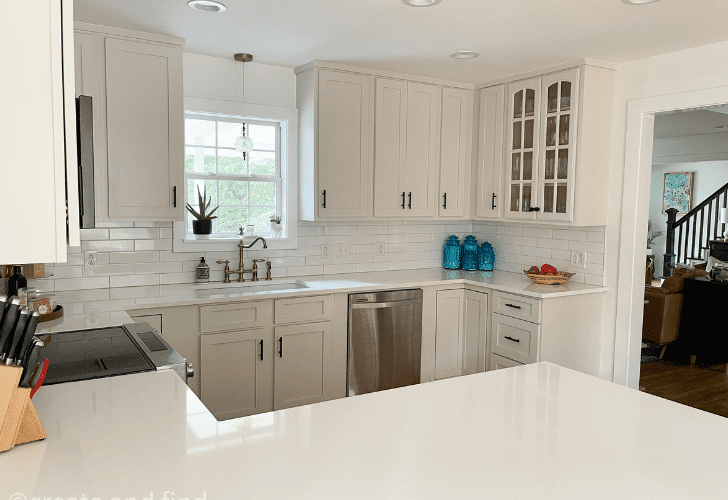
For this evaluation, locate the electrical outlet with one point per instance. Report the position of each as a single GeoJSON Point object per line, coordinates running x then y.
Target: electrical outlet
{"type": "Point", "coordinates": [578, 258]}
{"type": "Point", "coordinates": [325, 251]}
{"type": "Point", "coordinates": [380, 249]}
{"type": "Point", "coordinates": [91, 259]}
{"type": "Point", "coordinates": [342, 250]}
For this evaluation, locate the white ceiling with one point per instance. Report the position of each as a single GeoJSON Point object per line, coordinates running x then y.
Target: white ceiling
{"type": "Point", "coordinates": [694, 122]}
{"type": "Point", "coordinates": [512, 36]}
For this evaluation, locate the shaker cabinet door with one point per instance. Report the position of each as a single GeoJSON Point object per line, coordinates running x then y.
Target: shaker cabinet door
{"type": "Point", "coordinates": [421, 164]}
{"type": "Point", "coordinates": [454, 154]}
{"type": "Point", "coordinates": [390, 153]}
{"type": "Point", "coordinates": [145, 130]}
{"type": "Point", "coordinates": [344, 158]}
{"type": "Point", "coordinates": [489, 197]}
{"type": "Point", "coordinates": [236, 373]}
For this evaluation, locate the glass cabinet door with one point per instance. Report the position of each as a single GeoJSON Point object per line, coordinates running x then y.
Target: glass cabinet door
{"type": "Point", "coordinates": [557, 154]}
{"type": "Point", "coordinates": [523, 137]}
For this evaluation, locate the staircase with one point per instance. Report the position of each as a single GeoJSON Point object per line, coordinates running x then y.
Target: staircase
{"type": "Point", "coordinates": [694, 230]}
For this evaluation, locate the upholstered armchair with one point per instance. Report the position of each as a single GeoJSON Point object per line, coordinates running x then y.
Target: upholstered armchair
{"type": "Point", "coordinates": [662, 312]}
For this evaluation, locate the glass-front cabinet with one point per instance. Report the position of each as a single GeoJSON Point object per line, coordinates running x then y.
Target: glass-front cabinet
{"type": "Point", "coordinates": [522, 138]}
{"type": "Point", "coordinates": [541, 147]}
{"type": "Point", "coordinates": [558, 153]}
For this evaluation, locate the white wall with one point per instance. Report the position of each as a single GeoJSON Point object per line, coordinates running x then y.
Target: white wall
{"type": "Point", "coordinates": [229, 80]}
{"type": "Point", "coordinates": [708, 176]}
{"type": "Point", "coordinates": [692, 69]}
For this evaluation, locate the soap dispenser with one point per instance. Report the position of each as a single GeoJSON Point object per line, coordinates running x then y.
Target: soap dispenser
{"type": "Point", "coordinates": [203, 272]}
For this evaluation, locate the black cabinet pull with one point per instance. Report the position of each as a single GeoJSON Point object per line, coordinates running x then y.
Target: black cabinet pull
{"type": "Point", "coordinates": [280, 347]}
{"type": "Point", "coordinates": [512, 339]}
{"type": "Point", "coordinates": [174, 196]}
{"type": "Point", "coordinates": [492, 203]}
{"type": "Point", "coordinates": [324, 203]}
{"type": "Point", "coordinates": [514, 307]}
{"type": "Point", "coordinates": [534, 209]}
{"type": "Point", "coordinates": [409, 205]}
{"type": "Point", "coordinates": [444, 201]}
{"type": "Point", "coordinates": [403, 199]}
{"type": "Point", "coordinates": [261, 350]}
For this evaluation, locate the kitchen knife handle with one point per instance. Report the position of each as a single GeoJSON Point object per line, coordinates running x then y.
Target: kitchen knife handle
{"type": "Point", "coordinates": [11, 317]}
{"type": "Point", "coordinates": [41, 378]}
{"type": "Point", "coordinates": [23, 348]}
{"type": "Point", "coordinates": [261, 349]}
{"type": "Point", "coordinates": [280, 348]}
{"type": "Point", "coordinates": [17, 336]}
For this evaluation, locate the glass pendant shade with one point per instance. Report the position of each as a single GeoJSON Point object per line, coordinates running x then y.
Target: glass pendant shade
{"type": "Point", "coordinates": [244, 144]}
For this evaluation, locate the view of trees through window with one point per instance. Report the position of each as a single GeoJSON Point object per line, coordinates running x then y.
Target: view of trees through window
{"type": "Point", "coordinates": [247, 190]}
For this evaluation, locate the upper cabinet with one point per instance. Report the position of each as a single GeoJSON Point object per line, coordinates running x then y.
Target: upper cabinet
{"type": "Point", "coordinates": [38, 132]}
{"type": "Point", "coordinates": [558, 130]}
{"type": "Point", "coordinates": [487, 183]}
{"type": "Point", "coordinates": [455, 152]}
{"type": "Point", "coordinates": [335, 160]}
{"type": "Point", "coordinates": [405, 151]}
{"type": "Point", "coordinates": [138, 122]}
{"type": "Point", "coordinates": [555, 148]}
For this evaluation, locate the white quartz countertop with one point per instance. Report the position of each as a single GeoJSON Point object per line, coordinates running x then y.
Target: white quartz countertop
{"type": "Point", "coordinates": [133, 298]}
{"type": "Point", "coordinates": [85, 315]}
{"type": "Point", "coordinates": [533, 432]}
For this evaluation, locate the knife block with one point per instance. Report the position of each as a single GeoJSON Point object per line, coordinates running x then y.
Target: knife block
{"type": "Point", "coordinates": [19, 422]}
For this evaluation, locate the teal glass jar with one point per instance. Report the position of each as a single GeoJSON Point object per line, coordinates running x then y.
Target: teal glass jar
{"type": "Point", "coordinates": [486, 257]}
{"type": "Point", "coordinates": [453, 253]}
{"type": "Point", "coordinates": [470, 253]}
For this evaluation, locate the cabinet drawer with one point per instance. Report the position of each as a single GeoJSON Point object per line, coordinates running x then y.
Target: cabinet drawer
{"type": "Point", "coordinates": [514, 338]}
{"type": "Point", "coordinates": [499, 362]}
{"type": "Point", "coordinates": [238, 316]}
{"type": "Point", "coordinates": [304, 309]}
{"type": "Point", "coordinates": [516, 306]}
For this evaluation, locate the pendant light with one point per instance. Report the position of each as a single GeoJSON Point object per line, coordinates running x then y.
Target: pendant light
{"type": "Point", "coordinates": [243, 144]}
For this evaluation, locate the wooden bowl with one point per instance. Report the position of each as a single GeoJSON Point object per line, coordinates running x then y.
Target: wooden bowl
{"type": "Point", "coordinates": [550, 279]}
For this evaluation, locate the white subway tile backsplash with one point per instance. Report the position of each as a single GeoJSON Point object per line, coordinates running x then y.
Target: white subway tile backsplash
{"type": "Point", "coordinates": [140, 254]}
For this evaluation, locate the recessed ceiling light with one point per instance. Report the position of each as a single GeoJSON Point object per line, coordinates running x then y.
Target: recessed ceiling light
{"type": "Point", "coordinates": [464, 54]}
{"type": "Point", "coordinates": [421, 3]}
{"type": "Point", "coordinates": [206, 6]}
{"type": "Point", "coordinates": [639, 2]}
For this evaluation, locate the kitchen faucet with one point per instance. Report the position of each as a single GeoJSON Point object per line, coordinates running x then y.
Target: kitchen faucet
{"type": "Point", "coordinates": [241, 269]}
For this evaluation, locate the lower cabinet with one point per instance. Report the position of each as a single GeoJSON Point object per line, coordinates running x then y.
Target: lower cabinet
{"type": "Point", "coordinates": [302, 366]}
{"type": "Point", "coordinates": [254, 371]}
{"type": "Point", "coordinates": [460, 331]}
{"type": "Point", "coordinates": [236, 373]}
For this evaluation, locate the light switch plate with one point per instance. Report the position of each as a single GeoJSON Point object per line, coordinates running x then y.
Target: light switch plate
{"type": "Point", "coordinates": [380, 249]}
{"type": "Point", "coordinates": [343, 250]}
{"type": "Point", "coordinates": [91, 259]}
{"type": "Point", "coordinates": [325, 251]}
{"type": "Point", "coordinates": [578, 259]}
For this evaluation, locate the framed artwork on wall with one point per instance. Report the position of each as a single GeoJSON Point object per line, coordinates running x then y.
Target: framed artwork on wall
{"type": "Point", "coordinates": [678, 192]}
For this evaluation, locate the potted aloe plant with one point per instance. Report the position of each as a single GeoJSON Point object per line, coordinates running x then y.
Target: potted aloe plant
{"type": "Point", "coordinates": [202, 226]}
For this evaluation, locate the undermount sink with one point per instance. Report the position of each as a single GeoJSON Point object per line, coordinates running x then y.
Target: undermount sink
{"type": "Point", "coordinates": [250, 286]}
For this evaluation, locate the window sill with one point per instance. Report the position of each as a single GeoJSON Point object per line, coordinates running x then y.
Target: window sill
{"type": "Point", "coordinates": [188, 243]}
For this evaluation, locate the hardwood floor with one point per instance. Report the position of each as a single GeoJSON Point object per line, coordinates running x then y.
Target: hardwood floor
{"type": "Point", "coordinates": [702, 387]}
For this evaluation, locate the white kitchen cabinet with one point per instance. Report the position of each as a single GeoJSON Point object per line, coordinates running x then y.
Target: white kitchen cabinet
{"type": "Point", "coordinates": [303, 364]}
{"type": "Point", "coordinates": [236, 373]}
{"type": "Point", "coordinates": [460, 325]}
{"type": "Point", "coordinates": [335, 160]}
{"type": "Point", "coordinates": [405, 158]}
{"type": "Point", "coordinates": [138, 122]}
{"type": "Point", "coordinates": [558, 139]}
{"type": "Point", "coordinates": [499, 362]}
{"type": "Point", "coordinates": [38, 132]}
{"type": "Point", "coordinates": [455, 154]}
{"type": "Point", "coordinates": [489, 199]}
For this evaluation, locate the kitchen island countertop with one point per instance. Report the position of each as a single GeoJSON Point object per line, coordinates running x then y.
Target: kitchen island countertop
{"type": "Point", "coordinates": [537, 431]}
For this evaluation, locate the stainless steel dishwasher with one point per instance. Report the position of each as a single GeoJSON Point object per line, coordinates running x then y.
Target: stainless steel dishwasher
{"type": "Point", "coordinates": [385, 340]}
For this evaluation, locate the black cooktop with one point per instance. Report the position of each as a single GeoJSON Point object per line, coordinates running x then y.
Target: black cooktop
{"type": "Point", "coordinates": [90, 354]}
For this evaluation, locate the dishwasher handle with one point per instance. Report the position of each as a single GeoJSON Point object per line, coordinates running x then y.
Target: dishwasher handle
{"type": "Point", "coordinates": [383, 305]}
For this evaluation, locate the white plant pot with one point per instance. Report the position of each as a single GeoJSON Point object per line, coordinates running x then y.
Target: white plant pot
{"type": "Point", "coordinates": [276, 229]}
